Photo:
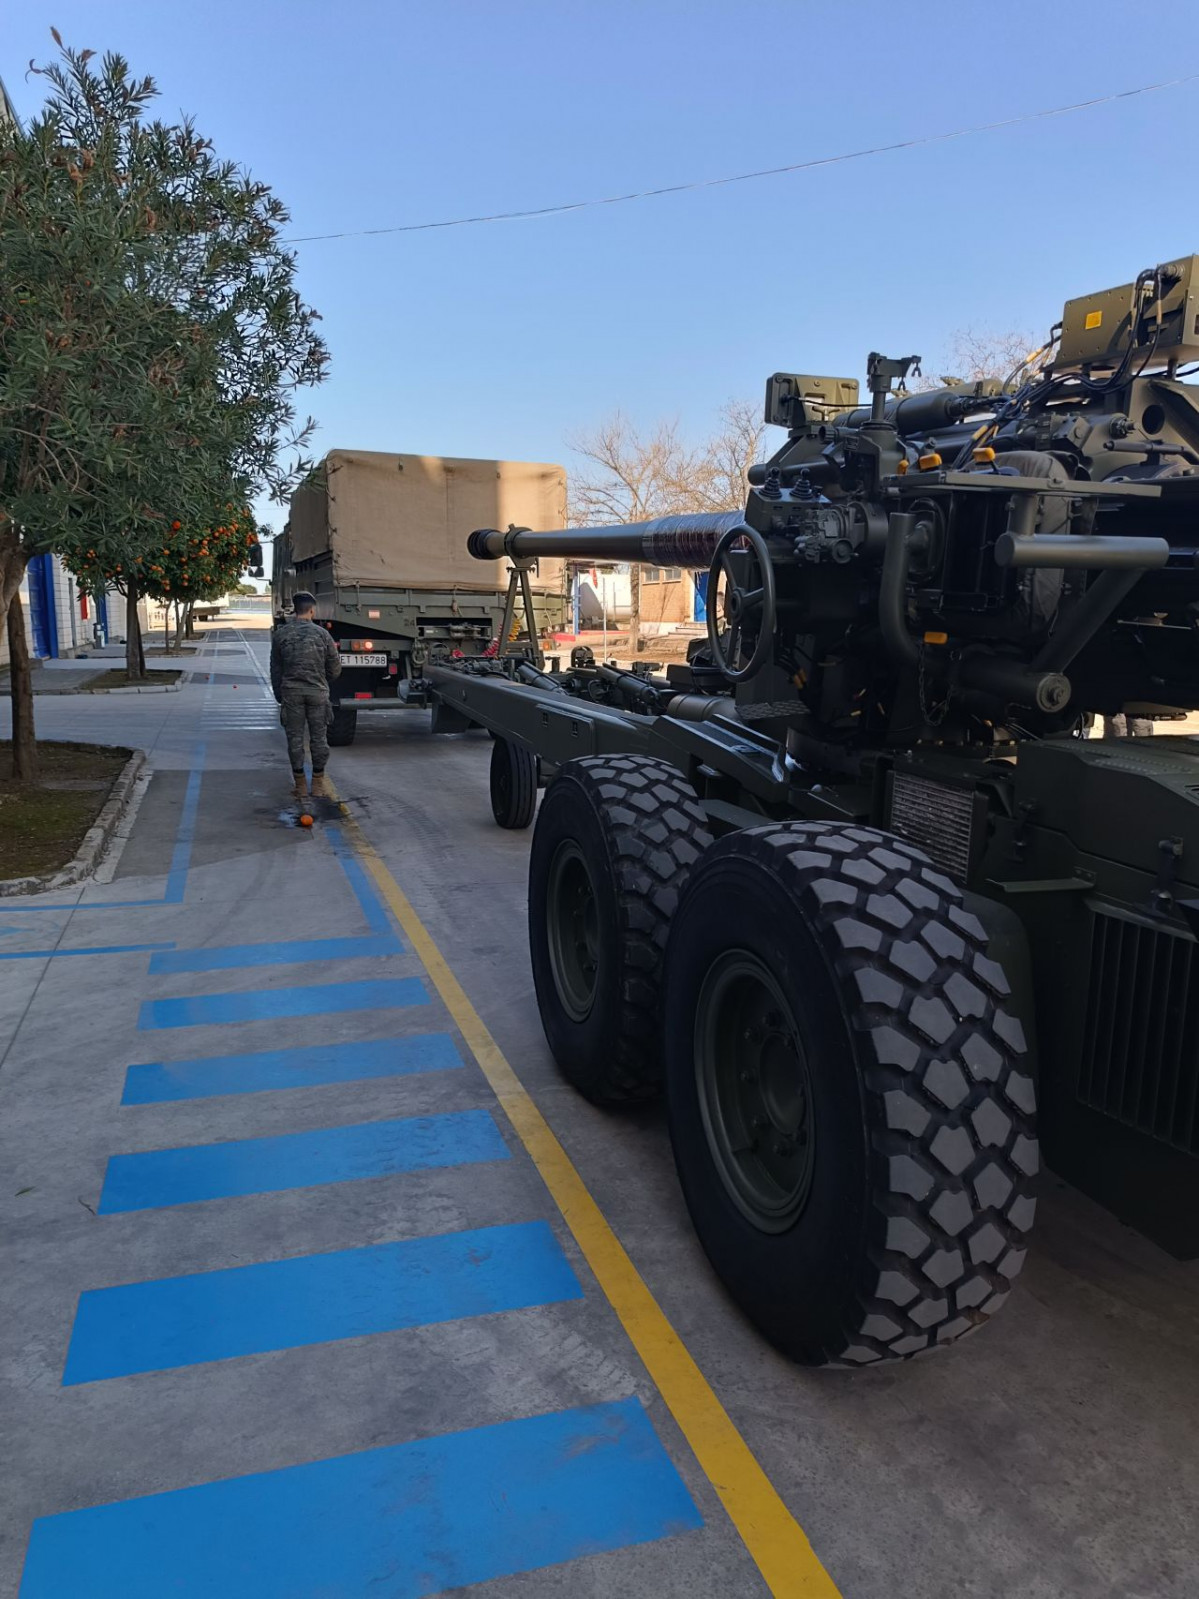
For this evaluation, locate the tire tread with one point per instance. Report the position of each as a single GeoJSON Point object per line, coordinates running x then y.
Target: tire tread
{"type": "Point", "coordinates": [948, 1099]}
{"type": "Point", "coordinates": [655, 831]}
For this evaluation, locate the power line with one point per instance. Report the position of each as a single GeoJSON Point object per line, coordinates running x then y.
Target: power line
{"type": "Point", "coordinates": [749, 177]}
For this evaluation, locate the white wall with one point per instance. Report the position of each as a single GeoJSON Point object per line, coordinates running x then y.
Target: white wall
{"type": "Point", "coordinates": [74, 631]}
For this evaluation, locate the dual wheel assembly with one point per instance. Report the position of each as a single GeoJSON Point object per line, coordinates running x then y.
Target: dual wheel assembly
{"type": "Point", "coordinates": [848, 1098]}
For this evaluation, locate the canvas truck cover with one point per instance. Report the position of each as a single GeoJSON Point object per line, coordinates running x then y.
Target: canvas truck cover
{"type": "Point", "coordinates": [402, 520]}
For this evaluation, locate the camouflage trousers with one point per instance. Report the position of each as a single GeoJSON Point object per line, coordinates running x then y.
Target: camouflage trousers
{"type": "Point", "coordinates": [300, 708]}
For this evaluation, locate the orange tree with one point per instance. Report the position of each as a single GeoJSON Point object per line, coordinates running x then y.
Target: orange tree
{"type": "Point", "coordinates": [192, 560]}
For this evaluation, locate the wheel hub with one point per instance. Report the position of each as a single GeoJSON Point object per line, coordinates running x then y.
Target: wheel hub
{"type": "Point", "coordinates": [572, 926]}
{"type": "Point", "coordinates": [754, 1091]}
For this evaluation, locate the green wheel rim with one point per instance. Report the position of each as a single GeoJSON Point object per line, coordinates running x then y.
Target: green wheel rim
{"type": "Point", "coordinates": [572, 926]}
{"type": "Point", "coordinates": [755, 1091]}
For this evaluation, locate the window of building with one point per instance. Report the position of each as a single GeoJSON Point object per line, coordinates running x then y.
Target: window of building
{"type": "Point", "coordinates": [651, 574]}
{"type": "Point", "coordinates": [672, 574]}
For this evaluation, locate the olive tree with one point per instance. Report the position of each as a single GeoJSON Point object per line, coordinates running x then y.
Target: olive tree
{"type": "Point", "coordinates": [151, 339]}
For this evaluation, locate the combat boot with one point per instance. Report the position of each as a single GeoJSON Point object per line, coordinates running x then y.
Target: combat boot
{"type": "Point", "coordinates": [301, 785]}
{"type": "Point", "coordinates": [320, 788]}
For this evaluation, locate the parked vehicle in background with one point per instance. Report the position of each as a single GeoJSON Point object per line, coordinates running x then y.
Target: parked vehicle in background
{"type": "Point", "coordinates": [380, 540]}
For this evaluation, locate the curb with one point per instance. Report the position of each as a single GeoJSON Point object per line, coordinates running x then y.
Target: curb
{"type": "Point", "coordinates": [95, 840]}
{"type": "Point", "coordinates": [152, 688]}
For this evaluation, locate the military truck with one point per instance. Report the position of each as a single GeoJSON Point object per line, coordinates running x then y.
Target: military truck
{"type": "Point", "coordinates": [856, 885]}
{"type": "Point", "coordinates": [380, 540]}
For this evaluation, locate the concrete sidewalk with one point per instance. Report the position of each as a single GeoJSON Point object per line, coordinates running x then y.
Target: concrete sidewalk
{"type": "Point", "coordinates": [272, 1254]}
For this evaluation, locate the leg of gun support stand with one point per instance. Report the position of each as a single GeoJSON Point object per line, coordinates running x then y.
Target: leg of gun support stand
{"type": "Point", "coordinates": [526, 589]}
{"type": "Point", "coordinates": [505, 638]}
{"type": "Point", "coordinates": [518, 574]}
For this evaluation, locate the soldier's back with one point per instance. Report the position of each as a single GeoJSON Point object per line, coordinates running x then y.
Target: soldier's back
{"type": "Point", "coordinates": [303, 650]}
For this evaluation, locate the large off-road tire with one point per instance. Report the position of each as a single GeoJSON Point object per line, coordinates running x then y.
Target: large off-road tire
{"type": "Point", "coordinates": [513, 783]}
{"type": "Point", "coordinates": [343, 726]}
{"type": "Point", "coordinates": [849, 1103]}
{"type": "Point", "coordinates": [615, 840]}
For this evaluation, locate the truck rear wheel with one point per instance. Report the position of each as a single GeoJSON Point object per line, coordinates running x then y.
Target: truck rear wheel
{"type": "Point", "coordinates": [615, 841]}
{"type": "Point", "coordinates": [513, 783]}
{"type": "Point", "coordinates": [851, 1116]}
{"type": "Point", "coordinates": [343, 726]}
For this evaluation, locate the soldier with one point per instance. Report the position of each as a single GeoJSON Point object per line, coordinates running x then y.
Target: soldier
{"type": "Point", "coordinates": [304, 662]}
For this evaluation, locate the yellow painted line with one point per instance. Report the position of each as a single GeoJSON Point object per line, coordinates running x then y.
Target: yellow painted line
{"type": "Point", "coordinates": [773, 1537]}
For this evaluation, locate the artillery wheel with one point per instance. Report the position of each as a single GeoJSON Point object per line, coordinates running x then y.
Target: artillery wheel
{"type": "Point", "coordinates": [513, 783]}
{"type": "Point", "coordinates": [849, 1104]}
{"type": "Point", "coordinates": [615, 841]}
{"type": "Point", "coordinates": [343, 726]}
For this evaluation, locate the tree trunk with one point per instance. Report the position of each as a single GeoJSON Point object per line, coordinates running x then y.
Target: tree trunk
{"type": "Point", "coordinates": [166, 630]}
{"type": "Point", "coordinates": [634, 610]}
{"type": "Point", "coordinates": [181, 616]}
{"type": "Point", "coordinates": [135, 655]}
{"type": "Point", "coordinates": [24, 745]}
{"type": "Point", "coordinates": [12, 569]}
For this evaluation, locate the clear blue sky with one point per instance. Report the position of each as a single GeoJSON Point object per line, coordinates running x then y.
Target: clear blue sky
{"type": "Point", "coordinates": [502, 340]}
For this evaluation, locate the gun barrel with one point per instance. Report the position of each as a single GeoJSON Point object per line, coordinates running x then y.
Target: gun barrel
{"type": "Point", "coordinates": [664, 541]}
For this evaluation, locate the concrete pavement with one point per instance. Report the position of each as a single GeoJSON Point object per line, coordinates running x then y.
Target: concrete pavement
{"type": "Point", "coordinates": [273, 1252]}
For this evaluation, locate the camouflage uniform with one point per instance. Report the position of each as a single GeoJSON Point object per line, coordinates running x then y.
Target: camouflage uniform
{"type": "Point", "coordinates": [304, 661]}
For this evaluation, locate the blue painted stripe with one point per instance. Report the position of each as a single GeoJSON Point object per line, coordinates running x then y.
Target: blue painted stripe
{"type": "Point", "coordinates": [259, 1004]}
{"type": "Point", "coordinates": [315, 1299]}
{"type": "Point", "coordinates": [153, 1178]}
{"type": "Point", "coordinates": [373, 908]}
{"type": "Point", "coordinates": [405, 1521]}
{"type": "Point", "coordinates": [288, 952]}
{"type": "Point", "coordinates": [182, 853]}
{"type": "Point", "coordinates": [205, 1077]}
{"type": "Point", "coordinates": [99, 949]}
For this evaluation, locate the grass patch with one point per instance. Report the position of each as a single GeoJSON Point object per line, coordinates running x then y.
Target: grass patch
{"type": "Point", "coordinates": [42, 824]}
{"type": "Point", "coordinates": [118, 677]}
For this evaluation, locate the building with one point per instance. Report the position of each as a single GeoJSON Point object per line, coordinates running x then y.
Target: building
{"type": "Point", "coordinates": [671, 595]}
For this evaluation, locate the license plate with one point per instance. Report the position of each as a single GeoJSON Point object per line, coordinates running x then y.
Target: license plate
{"type": "Point", "coordinates": [364, 660]}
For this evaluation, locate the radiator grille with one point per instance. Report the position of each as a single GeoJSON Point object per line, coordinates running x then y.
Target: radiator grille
{"type": "Point", "coordinates": [938, 818]}
{"type": "Point", "coordinates": [1141, 1048]}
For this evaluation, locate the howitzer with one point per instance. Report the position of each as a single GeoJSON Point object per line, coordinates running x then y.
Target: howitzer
{"type": "Point", "coordinates": [856, 881]}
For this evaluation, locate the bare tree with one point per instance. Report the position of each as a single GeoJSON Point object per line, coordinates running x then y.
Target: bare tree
{"type": "Point", "coordinates": [975, 353]}
{"type": "Point", "coordinates": [635, 476]}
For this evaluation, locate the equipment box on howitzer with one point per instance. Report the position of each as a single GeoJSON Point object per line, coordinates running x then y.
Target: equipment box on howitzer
{"type": "Point", "coordinates": [380, 541]}
{"type": "Point", "coordinates": [857, 885]}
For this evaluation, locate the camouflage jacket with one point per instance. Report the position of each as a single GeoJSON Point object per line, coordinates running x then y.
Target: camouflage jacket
{"type": "Point", "coordinates": [302, 654]}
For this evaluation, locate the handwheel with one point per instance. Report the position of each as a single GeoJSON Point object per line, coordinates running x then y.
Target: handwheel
{"type": "Point", "coordinates": [849, 1103]}
{"type": "Point", "coordinates": [744, 609]}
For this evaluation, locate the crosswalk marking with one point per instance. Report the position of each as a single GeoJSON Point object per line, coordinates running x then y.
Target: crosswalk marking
{"type": "Point", "coordinates": [149, 1179]}
{"type": "Point", "coordinates": [270, 1004]}
{"type": "Point", "coordinates": [206, 1077]}
{"type": "Point", "coordinates": [315, 1299]}
{"type": "Point", "coordinates": [407, 1521]}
